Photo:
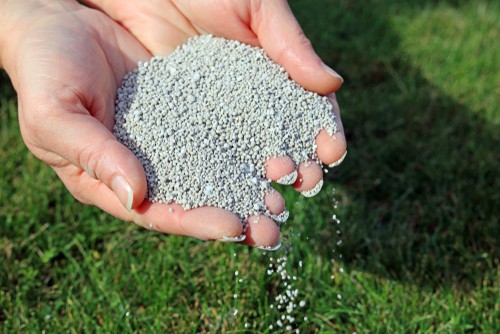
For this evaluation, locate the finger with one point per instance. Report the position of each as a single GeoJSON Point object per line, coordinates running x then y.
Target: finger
{"type": "Point", "coordinates": [331, 150]}
{"type": "Point", "coordinates": [209, 223]}
{"type": "Point", "coordinates": [261, 232]}
{"type": "Point", "coordinates": [275, 203]}
{"type": "Point", "coordinates": [281, 170]}
{"type": "Point", "coordinates": [83, 141]}
{"type": "Point", "coordinates": [309, 179]}
{"type": "Point", "coordinates": [283, 39]}
{"type": "Point", "coordinates": [206, 223]}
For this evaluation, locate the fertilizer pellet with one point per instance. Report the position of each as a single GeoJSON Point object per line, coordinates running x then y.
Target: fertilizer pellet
{"type": "Point", "coordinates": [204, 120]}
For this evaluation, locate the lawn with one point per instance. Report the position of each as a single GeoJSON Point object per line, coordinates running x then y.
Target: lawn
{"type": "Point", "coordinates": [417, 247]}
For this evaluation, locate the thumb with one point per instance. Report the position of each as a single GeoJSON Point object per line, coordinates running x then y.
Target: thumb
{"type": "Point", "coordinates": [85, 142]}
{"type": "Point", "coordinates": [281, 36]}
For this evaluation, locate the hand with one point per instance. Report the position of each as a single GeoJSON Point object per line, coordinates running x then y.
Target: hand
{"type": "Point", "coordinates": [66, 62]}
{"type": "Point", "coordinates": [162, 25]}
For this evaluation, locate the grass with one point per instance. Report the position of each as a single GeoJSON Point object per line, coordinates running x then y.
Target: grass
{"type": "Point", "coordinates": [418, 200]}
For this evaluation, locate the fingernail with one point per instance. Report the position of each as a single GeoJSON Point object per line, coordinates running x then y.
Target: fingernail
{"type": "Point", "coordinates": [235, 239]}
{"type": "Point", "coordinates": [123, 191]}
{"type": "Point", "coordinates": [288, 179]}
{"type": "Point", "coordinates": [332, 72]}
{"type": "Point", "coordinates": [271, 248]}
{"type": "Point", "coordinates": [282, 217]}
{"type": "Point", "coordinates": [338, 162]}
{"type": "Point", "coordinates": [313, 191]}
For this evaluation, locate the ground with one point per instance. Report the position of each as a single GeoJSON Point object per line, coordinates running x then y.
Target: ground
{"type": "Point", "coordinates": [417, 200]}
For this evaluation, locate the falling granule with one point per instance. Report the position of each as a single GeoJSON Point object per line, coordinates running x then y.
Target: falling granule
{"type": "Point", "coordinates": [337, 250]}
{"type": "Point", "coordinates": [204, 120]}
{"type": "Point", "coordinates": [287, 301]}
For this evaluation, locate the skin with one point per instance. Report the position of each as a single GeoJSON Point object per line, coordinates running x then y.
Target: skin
{"type": "Point", "coordinates": [66, 62]}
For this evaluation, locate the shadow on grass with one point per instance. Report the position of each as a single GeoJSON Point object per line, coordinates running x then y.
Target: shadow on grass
{"type": "Point", "coordinates": [420, 184]}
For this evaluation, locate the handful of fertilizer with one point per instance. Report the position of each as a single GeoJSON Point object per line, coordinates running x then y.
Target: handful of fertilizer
{"type": "Point", "coordinates": [204, 120]}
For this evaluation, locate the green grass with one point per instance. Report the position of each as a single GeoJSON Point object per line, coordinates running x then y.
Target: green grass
{"type": "Point", "coordinates": [418, 199]}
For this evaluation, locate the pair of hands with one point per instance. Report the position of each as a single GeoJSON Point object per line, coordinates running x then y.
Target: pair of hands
{"type": "Point", "coordinates": [66, 62]}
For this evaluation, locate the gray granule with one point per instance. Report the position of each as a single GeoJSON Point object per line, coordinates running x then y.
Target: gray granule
{"type": "Point", "coordinates": [204, 120]}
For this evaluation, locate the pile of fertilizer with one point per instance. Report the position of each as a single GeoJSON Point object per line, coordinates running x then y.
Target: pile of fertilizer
{"type": "Point", "coordinates": [204, 120]}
